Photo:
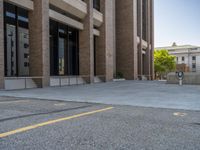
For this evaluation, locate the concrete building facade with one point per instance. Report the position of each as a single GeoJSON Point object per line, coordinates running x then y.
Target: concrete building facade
{"type": "Point", "coordinates": [187, 55]}
{"type": "Point", "coordinates": [64, 42]}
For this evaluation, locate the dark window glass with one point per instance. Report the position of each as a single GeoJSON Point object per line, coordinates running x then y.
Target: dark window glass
{"type": "Point", "coordinates": [138, 18]}
{"type": "Point", "coordinates": [11, 15]}
{"type": "Point", "coordinates": [64, 49]}
{"type": "Point", "coordinates": [26, 55]}
{"type": "Point", "coordinates": [95, 62]}
{"type": "Point", "coordinates": [22, 17]}
{"type": "Point", "coordinates": [73, 51]}
{"type": "Point", "coordinates": [16, 40]}
{"type": "Point", "coordinates": [144, 20]}
{"type": "Point", "coordinates": [54, 48]}
{"type": "Point", "coordinates": [10, 10]}
{"type": "Point", "coordinates": [96, 4]}
{"type": "Point", "coordinates": [61, 55]}
{"type": "Point", "coordinates": [193, 66]}
{"type": "Point", "coordinates": [193, 57]}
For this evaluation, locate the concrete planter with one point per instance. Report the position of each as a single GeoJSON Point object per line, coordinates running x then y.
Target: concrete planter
{"type": "Point", "coordinates": [192, 78]}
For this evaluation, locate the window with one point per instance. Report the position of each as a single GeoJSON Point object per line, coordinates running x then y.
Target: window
{"type": "Point", "coordinates": [95, 53]}
{"type": "Point", "coordinates": [138, 18]}
{"type": "Point", "coordinates": [64, 49]}
{"type": "Point", "coordinates": [183, 58]}
{"type": "Point", "coordinates": [73, 51]}
{"type": "Point", "coordinates": [96, 4]}
{"type": "Point", "coordinates": [177, 59]}
{"type": "Point", "coordinates": [16, 44]}
{"type": "Point", "coordinates": [194, 49]}
{"type": "Point", "coordinates": [193, 57]}
{"type": "Point", "coordinates": [193, 66]}
{"type": "Point", "coordinates": [144, 20]}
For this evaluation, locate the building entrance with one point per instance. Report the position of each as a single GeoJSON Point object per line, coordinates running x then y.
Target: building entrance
{"type": "Point", "coordinates": [16, 41]}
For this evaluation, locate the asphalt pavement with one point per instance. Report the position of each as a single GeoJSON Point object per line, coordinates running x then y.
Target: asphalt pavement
{"type": "Point", "coordinates": [37, 124]}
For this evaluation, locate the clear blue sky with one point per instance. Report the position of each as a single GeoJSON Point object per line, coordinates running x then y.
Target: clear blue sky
{"type": "Point", "coordinates": [177, 21]}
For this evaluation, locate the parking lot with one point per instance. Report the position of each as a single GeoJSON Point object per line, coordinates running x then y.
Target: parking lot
{"type": "Point", "coordinates": [117, 115]}
{"type": "Point", "coordinates": [27, 123]}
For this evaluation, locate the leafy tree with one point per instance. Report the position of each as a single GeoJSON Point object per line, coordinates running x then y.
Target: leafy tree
{"type": "Point", "coordinates": [163, 63]}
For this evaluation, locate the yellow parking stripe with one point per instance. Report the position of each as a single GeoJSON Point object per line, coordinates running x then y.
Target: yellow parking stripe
{"type": "Point", "coordinates": [2, 135]}
{"type": "Point", "coordinates": [60, 104]}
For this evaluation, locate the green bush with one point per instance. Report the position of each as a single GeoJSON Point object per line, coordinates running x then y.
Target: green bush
{"type": "Point", "coordinates": [119, 75]}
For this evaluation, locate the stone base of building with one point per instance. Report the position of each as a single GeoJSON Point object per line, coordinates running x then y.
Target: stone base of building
{"type": "Point", "coordinates": [16, 83]}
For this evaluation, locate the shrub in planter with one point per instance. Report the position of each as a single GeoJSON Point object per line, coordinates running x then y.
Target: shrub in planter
{"type": "Point", "coordinates": [119, 75]}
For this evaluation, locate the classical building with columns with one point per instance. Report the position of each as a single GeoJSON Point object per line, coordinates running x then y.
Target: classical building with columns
{"type": "Point", "coordinates": [65, 42]}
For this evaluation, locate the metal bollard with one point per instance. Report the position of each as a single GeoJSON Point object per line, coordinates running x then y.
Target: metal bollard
{"type": "Point", "coordinates": [180, 76]}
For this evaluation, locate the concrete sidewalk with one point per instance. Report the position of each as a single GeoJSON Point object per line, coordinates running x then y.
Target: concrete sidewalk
{"type": "Point", "coordinates": [135, 93]}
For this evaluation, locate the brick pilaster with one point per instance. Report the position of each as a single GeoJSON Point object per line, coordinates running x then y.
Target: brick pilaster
{"type": "Point", "coordinates": [86, 47]}
{"type": "Point", "coordinates": [39, 41]}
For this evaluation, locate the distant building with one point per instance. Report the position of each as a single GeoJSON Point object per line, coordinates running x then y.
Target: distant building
{"type": "Point", "coordinates": [185, 54]}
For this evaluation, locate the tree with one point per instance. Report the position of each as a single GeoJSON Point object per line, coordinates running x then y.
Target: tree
{"type": "Point", "coordinates": [163, 63]}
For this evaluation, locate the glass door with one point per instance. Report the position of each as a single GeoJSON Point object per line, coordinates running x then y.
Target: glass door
{"type": "Point", "coordinates": [23, 52]}
{"type": "Point", "coordinates": [11, 68]}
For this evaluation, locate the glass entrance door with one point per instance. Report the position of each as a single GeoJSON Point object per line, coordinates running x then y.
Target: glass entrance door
{"type": "Point", "coordinates": [16, 41]}
{"type": "Point", "coordinates": [11, 68]}
{"type": "Point", "coordinates": [23, 52]}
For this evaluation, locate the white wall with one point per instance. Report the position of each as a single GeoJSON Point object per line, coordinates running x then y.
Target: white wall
{"type": "Point", "coordinates": [187, 54]}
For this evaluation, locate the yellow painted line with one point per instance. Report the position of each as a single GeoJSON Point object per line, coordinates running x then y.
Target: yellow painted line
{"type": "Point", "coordinates": [179, 114]}
{"type": "Point", "coordinates": [2, 135]}
{"type": "Point", "coordinates": [60, 104]}
{"type": "Point", "coordinates": [18, 101]}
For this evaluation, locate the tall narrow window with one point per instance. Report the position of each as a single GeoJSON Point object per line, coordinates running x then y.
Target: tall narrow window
{"type": "Point", "coordinates": [193, 58]}
{"type": "Point", "coordinates": [16, 41]}
{"type": "Point", "coordinates": [73, 51]}
{"type": "Point", "coordinates": [144, 20]}
{"type": "Point", "coordinates": [53, 48]}
{"type": "Point", "coordinates": [64, 50]}
{"type": "Point", "coordinates": [138, 18]}
{"type": "Point", "coordinates": [61, 55]}
{"type": "Point", "coordinates": [95, 62]}
{"type": "Point", "coordinates": [96, 4]}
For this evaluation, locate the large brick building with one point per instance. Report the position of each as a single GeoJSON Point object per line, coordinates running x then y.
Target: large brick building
{"type": "Point", "coordinates": [63, 42]}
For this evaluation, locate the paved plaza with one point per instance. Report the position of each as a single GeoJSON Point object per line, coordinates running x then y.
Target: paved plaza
{"type": "Point", "coordinates": [134, 93]}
